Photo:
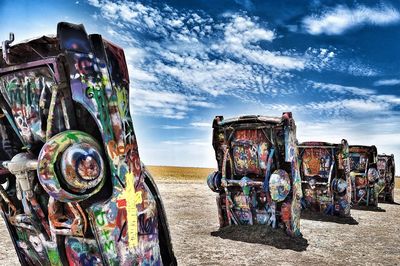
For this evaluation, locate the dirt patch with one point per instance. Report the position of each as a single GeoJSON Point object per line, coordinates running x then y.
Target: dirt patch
{"type": "Point", "coordinates": [7, 251]}
{"type": "Point", "coordinates": [367, 238]}
{"type": "Point", "coordinates": [372, 238]}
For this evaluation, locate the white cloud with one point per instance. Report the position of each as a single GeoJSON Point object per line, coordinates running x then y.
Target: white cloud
{"type": "Point", "coordinates": [351, 106]}
{"type": "Point", "coordinates": [168, 127]}
{"type": "Point", "coordinates": [201, 124]}
{"type": "Point", "coordinates": [163, 103]}
{"type": "Point", "coordinates": [340, 89]}
{"type": "Point", "coordinates": [196, 58]}
{"type": "Point", "coordinates": [347, 105]}
{"type": "Point", "coordinates": [350, 130]}
{"type": "Point", "coordinates": [391, 99]}
{"type": "Point", "coordinates": [358, 69]}
{"type": "Point", "coordinates": [342, 18]}
{"type": "Point", "coordinates": [95, 3]}
{"type": "Point", "coordinates": [343, 101]}
{"type": "Point", "coordinates": [357, 105]}
{"type": "Point", "coordinates": [270, 59]}
{"type": "Point", "coordinates": [172, 142]}
{"type": "Point", "coordinates": [213, 77]}
{"type": "Point", "coordinates": [332, 59]}
{"type": "Point", "coordinates": [387, 82]}
{"type": "Point", "coordinates": [199, 142]}
{"type": "Point", "coordinates": [242, 30]}
{"type": "Point", "coordinates": [242, 37]}
{"type": "Point", "coordinates": [176, 23]}
{"type": "Point", "coordinates": [137, 75]}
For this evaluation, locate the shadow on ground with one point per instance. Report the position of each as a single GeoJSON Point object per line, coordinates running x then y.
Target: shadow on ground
{"type": "Point", "coordinates": [368, 208]}
{"type": "Point", "coordinates": [261, 234]}
{"type": "Point", "coordinates": [328, 218]}
{"type": "Point", "coordinates": [390, 203]}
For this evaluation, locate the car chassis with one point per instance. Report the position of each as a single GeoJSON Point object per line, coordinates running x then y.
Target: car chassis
{"type": "Point", "coordinates": [364, 175]}
{"type": "Point", "coordinates": [386, 168]}
{"type": "Point", "coordinates": [73, 189]}
{"type": "Point", "coordinates": [258, 180]}
{"type": "Point", "coordinates": [325, 174]}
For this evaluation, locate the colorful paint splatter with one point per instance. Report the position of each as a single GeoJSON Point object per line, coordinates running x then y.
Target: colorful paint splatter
{"type": "Point", "coordinates": [74, 189]}
{"type": "Point", "coordinates": [325, 177]}
{"type": "Point", "coordinates": [364, 175]}
{"type": "Point", "coordinates": [258, 179]}
{"type": "Point", "coordinates": [386, 169]}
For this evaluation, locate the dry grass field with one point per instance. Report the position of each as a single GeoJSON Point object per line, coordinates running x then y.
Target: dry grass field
{"type": "Point", "coordinates": [179, 173]}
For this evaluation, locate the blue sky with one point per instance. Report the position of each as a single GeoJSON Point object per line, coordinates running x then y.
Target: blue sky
{"type": "Point", "coordinates": [334, 64]}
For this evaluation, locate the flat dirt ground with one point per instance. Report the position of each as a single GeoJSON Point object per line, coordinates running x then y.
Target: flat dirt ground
{"type": "Point", "coordinates": [369, 238]}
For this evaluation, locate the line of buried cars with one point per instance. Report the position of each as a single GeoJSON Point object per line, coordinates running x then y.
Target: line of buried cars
{"type": "Point", "coordinates": [73, 190]}
{"type": "Point", "coordinates": [266, 177]}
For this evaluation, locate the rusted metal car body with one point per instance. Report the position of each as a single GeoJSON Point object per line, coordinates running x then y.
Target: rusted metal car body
{"type": "Point", "coordinates": [364, 175]}
{"type": "Point", "coordinates": [74, 191]}
{"type": "Point", "coordinates": [386, 169]}
{"type": "Point", "coordinates": [325, 177]}
{"type": "Point", "coordinates": [258, 179]}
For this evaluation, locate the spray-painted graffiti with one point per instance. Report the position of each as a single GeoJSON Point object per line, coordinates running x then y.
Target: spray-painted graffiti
{"type": "Point", "coordinates": [82, 251]}
{"type": "Point", "coordinates": [27, 94]}
{"type": "Point", "coordinates": [116, 151]}
{"type": "Point", "coordinates": [364, 175]}
{"type": "Point", "coordinates": [386, 169]}
{"type": "Point", "coordinates": [78, 176]}
{"type": "Point", "coordinates": [325, 174]}
{"type": "Point", "coordinates": [258, 178]}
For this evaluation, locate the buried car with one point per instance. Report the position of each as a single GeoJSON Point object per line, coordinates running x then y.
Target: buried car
{"type": "Point", "coordinates": [258, 179]}
{"type": "Point", "coordinates": [364, 175]}
{"type": "Point", "coordinates": [74, 191]}
{"type": "Point", "coordinates": [386, 169]}
{"type": "Point", "coordinates": [325, 177]}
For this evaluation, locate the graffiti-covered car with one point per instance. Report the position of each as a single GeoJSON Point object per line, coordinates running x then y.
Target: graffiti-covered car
{"type": "Point", "coordinates": [258, 179]}
{"type": "Point", "coordinates": [74, 191]}
{"type": "Point", "coordinates": [386, 169]}
{"type": "Point", "coordinates": [325, 177]}
{"type": "Point", "coordinates": [364, 175]}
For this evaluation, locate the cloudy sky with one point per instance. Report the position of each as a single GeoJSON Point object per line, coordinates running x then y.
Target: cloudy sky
{"type": "Point", "coordinates": [334, 64]}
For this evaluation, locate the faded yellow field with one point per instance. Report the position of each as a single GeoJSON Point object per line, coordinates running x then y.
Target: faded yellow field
{"type": "Point", "coordinates": [176, 173]}
{"type": "Point", "coordinates": [179, 173]}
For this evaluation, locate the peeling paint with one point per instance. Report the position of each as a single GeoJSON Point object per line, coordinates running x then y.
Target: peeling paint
{"type": "Point", "coordinates": [325, 174]}
{"type": "Point", "coordinates": [258, 179]}
{"type": "Point", "coordinates": [79, 194]}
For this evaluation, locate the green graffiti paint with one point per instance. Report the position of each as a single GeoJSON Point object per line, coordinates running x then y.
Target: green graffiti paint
{"type": "Point", "coordinates": [100, 217]}
{"type": "Point", "coordinates": [97, 93]}
{"type": "Point", "coordinates": [122, 101]}
{"type": "Point", "coordinates": [22, 235]}
{"type": "Point", "coordinates": [54, 257]}
{"type": "Point", "coordinates": [108, 244]}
